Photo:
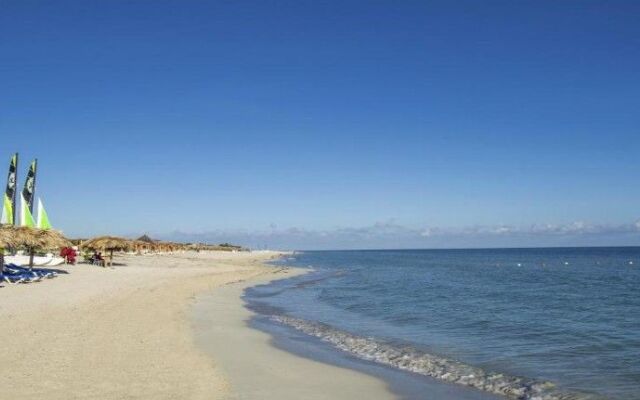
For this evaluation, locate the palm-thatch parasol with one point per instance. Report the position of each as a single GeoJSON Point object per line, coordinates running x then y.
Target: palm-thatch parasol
{"type": "Point", "coordinates": [50, 239]}
{"type": "Point", "coordinates": [110, 243]}
{"type": "Point", "coordinates": [139, 245]}
{"type": "Point", "coordinates": [30, 238]}
{"type": "Point", "coordinates": [6, 236]}
{"type": "Point", "coordinates": [7, 240]}
{"type": "Point", "coordinates": [163, 247]}
{"type": "Point", "coordinates": [34, 239]}
{"type": "Point", "coordinates": [53, 239]}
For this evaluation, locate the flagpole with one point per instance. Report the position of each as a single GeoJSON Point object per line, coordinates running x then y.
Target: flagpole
{"type": "Point", "coordinates": [15, 191]}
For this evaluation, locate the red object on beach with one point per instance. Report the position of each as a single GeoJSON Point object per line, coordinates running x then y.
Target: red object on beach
{"type": "Point", "coordinates": [69, 255]}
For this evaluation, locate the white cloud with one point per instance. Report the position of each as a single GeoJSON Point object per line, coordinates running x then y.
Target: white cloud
{"type": "Point", "coordinates": [389, 234]}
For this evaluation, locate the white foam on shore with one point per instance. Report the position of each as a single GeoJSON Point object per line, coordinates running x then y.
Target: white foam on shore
{"type": "Point", "coordinates": [419, 362]}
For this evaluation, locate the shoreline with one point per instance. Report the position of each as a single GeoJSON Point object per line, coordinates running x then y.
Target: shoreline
{"type": "Point", "coordinates": [270, 319]}
{"type": "Point", "coordinates": [253, 364]}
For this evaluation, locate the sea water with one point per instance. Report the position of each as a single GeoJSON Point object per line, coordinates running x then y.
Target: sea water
{"type": "Point", "coordinates": [558, 323]}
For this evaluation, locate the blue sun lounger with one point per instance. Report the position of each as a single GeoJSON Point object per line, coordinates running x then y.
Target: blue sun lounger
{"type": "Point", "coordinates": [18, 278]}
{"type": "Point", "coordinates": [35, 272]}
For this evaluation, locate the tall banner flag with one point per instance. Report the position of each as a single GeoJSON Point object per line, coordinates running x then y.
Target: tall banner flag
{"type": "Point", "coordinates": [30, 185]}
{"type": "Point", "coordinates": [26, 218]}
{"type": "Point", "coordinates": [9, 198]}
{"type": "Point", "coordinates": [43, 218]}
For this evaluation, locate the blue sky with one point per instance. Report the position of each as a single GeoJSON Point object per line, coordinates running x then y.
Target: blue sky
{"type": "Point", "coordinates": [305, 124]}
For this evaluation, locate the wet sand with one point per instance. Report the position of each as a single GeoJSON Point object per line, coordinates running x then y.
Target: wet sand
{"type": "Point", "coordinates": [256, 369]}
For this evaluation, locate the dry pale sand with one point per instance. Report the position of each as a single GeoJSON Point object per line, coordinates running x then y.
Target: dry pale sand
{"type": "Point", "coordinates": [126, 333]}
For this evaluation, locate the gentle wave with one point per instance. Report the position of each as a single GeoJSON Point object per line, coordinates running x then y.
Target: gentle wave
{"type": "Point", "coordinates": [419, 362]}
{"type": "Point", "coordinates": [319, 278]}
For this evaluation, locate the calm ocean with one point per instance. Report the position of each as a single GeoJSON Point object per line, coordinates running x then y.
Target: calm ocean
{"type": "Point", "coordinates": [527, 323]}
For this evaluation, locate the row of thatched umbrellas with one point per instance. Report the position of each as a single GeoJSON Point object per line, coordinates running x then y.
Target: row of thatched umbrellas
{"type": "Point", "coordinates": [117, 243]}
{"type": "Point", "coordinates": [113, 243]}
{"type": "Point", "coordinates": [33, 240]}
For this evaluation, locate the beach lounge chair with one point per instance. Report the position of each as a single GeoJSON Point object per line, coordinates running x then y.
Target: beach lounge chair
{"type": "Point", "coordinates": [36, 272]}
{"type": "Point", "coordinates": [18, 278]}
{"type": "Point", "coordinates": [28, 275]}
{"type": "Point", "coordinates": [11, 279]}
{"type": "Point", "coordinates": [46, 273]}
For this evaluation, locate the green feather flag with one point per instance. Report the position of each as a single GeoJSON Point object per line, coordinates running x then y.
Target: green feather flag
{"type": "Point", "coordinates": [8, 214]}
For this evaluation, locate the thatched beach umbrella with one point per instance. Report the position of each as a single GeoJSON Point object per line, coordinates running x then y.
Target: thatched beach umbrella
{"type": "Point", "coordinates": [162, 247]}
{"type": "Point", "coordinates": [53, 239]}
{"type": "Point", "coordinates": [7, 240]}
{"type": "Point", "coordinates": [35, 239]}
{"type": "Point", "coordinates": [140, 245]}
{"type": "Point", "coordinates": [6, 236]}
{"type": "Point", "coordinates": [50, 239]}
{"type": "Point", "coordinates": [137, 245]}
{"type": "Point", "coordinates": [29, 238]}
{"type": "Point", "coordinates": [110, 243]}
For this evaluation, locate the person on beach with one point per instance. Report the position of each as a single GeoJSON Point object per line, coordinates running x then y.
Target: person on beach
{"type": "Point", "coordinates": [96, 258]}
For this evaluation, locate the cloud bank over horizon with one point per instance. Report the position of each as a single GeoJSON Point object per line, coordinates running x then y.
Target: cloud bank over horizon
{"type": "Point", "coordinates": [391, 235]}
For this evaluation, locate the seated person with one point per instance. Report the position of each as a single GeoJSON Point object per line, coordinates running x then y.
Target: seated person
{"type": "Point", "coordinates": [96, 258]}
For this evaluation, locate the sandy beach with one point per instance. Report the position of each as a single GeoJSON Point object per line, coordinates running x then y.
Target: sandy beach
{"type": "Point", "coordinates": [130, 332]}
{"type": "Point", "coordinates": [262, 371]}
